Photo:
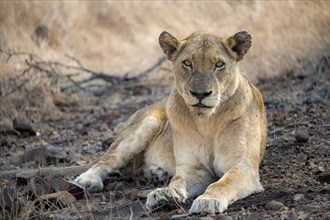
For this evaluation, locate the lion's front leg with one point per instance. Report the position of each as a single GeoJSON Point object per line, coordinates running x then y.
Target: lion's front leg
{"type": "Point", "coordinates": [131, 142]}
{"type": "Point", "coordinates": [187, 183]}
{"type": "Point", "coordinates": [240, 181]}
{"type": "Point", "coordinates": [176, 192]}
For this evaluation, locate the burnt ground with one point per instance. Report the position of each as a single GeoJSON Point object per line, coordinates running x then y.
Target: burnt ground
{"type": "Point", "coordinates": [295, 170]}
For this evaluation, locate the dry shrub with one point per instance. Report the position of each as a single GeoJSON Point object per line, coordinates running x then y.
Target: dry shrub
{"type": "Point", "coordinates": [121, 37]}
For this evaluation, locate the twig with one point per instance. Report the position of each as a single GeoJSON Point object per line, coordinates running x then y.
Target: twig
{"type": "Point", "coordinates": [49, 171]}
{"type": "Point", "coordinates": [11, 54]}
{"type": "Point", "coordinates": [131, 217]}
{"type": "Point", "coordinates": [74, 59]}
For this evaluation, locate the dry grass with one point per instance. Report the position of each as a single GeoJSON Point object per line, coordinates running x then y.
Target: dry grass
{"type": "Point", "coordinates": [121, 37]}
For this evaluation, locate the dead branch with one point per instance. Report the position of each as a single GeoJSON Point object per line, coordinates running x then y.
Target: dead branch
{"type": "Point", "coordinates": [74, 59]}
{"type": "Point", "coordinates": [11, 54]}
{"type": "Point", "coordinates": [16, 87]}
{"type": "Point", "coordinates": [55, 70]}
{"type": "Point", "coordinates": [49, 171]}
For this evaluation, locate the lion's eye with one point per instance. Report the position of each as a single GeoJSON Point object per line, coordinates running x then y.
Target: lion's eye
{"type": "Point", "coordinates": [187, 64]}
{"type": "Point", "coordinates": [220, 65]}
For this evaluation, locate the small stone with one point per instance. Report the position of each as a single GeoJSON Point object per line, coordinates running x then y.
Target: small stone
{"type": "Point", "coordinates": [23, 127]}
{"type": "Point", "coordinates": [23, 176]}
{"type": "Point", "coordinates": [298, 197]}
{"type": "Point", "coordinates": [103, 127]}
{"type": "Point", "coordinates": [206, 218]}
{"type": "Point", "coordinates": [181, 216]}
{"type": "Point", "coordinates": [70, 186]}
{"type": "Point", "coordinates": [228, 218]}
{"type": "Point", "coordinates": [134, 194]}
{"type": "Point", "coordinates": [143, 194]}
{"type": "Point", "coordinates": [40, 187]}
{"type": "Point", "coordinates": [274, 205]}
{"type": "Point", "coordinates": [164, 216]}
{"type": "Point", "coordinates": [111, 186]}
{"type": "Point", "coordinates": [302, 136]}
{"type": "Point", "coordinates": [291, 215]}
{"type": "Point", "coordinates": [54, 152]}
{"type": "Point", "coordinates": [119, 186]}
{"type": "Point", "coordinates": [302, 215]}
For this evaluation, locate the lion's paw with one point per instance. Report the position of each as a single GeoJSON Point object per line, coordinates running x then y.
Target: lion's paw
{"type": "Point", "coordinates": [165, 195]}
{"type": "Point", "coordinates": [206, 205]}
{"type": "Point", "coordinates": [91, 181]}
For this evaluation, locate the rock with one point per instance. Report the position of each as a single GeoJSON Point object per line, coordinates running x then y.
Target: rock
{"type": "Point", "coordinates": [60, 199]}
{"type": "Point", "coordinates": [84, 131]}
{"type": "Point", "coordinates": [291, 215]}
{"type": "Point", "coordinates": [103, 127]}
{"type": "Point", "coordinates": [111, 186]}
{"type": "Point", "coordinates": [302, 136]}
{"type": "Point", "coordinates": [134, 194]}
{"type": "Point", "coordinates": [23, 176]}
{"type": "Point", "coordinates": [24, 128]}
{"type": "Point", "coordinates": [311, 207]}
{"type": "Point", "coordinates": [70, 186]}
{"type": "Point", "coordinates": [7, 196]}
{"type": "Point", "coordinates": [35, 154]}
{"type": "Point", "coordinates": [40, 187]}
{"type": "Point", "coordinates": [164, 216]}
{"type": "Point", "coordinates": [41, 155]}
{"type": "Point", "coordinates": [274, 205]}
{"type": "Point", "coordinates": [228, 218]}
{"type": "Point", "coordinates": [298, 197]}
{"type": "Point", "coordinates": [143, 194]}
{"type": "Point", "coordinates": [181, 216]}
{"type": "Point", "coordinates": [52, 152]}
{"type": "Point", "coordinates": [119, 186]}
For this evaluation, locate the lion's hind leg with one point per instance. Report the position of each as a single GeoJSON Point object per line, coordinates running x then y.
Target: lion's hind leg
{"type": "Point", "coordinates": [132, 140]}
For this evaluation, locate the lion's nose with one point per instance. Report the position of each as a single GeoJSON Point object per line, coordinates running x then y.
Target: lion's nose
{"type": "Point", "coordinates": [199, 95]}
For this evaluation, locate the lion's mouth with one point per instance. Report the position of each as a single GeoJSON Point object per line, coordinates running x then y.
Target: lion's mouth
{"type": "Point", "coordinates": [201, 105]}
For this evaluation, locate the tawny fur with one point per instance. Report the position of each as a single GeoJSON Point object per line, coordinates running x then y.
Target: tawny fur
{"type": "Point", "coordinates": [210, 134]}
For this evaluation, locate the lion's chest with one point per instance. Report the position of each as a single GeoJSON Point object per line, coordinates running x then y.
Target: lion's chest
{"type": "Point", "coordinates": [211, 147]}
{"type": "Point", "coordinates": [206, 129]}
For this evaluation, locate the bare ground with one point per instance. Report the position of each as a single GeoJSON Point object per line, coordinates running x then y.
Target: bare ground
{"type": "Point", "coordinates": [295, 170]}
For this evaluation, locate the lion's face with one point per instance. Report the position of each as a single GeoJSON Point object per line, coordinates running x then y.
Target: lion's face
{"type": "Point", "coordinates": [205, 66]}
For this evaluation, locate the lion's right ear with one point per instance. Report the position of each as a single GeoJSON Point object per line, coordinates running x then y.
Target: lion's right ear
{"type": "Point", "coordinates": [169, 44]}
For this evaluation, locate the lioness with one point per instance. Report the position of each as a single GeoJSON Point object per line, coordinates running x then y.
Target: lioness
{"type": "Point", "coordinates": [209, 134]}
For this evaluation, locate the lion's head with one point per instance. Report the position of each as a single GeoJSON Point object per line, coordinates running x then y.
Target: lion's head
{"type": "Point", "coordinates": [205, 66]}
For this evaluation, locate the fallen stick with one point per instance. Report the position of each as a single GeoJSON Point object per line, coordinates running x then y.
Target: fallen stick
{"type": "Point", "coordinates": [48, 171]}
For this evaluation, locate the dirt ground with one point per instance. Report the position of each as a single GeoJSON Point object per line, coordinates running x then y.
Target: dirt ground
{"type": "Point", "coordinates": [295, 170]}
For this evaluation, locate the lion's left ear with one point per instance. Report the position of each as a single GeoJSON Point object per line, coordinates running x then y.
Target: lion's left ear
{"type": "Point", "coordinates": [239, 44]}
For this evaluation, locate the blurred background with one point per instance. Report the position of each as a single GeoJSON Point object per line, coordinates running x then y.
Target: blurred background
{"type": "Point", "coordinates": [119, 37]}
